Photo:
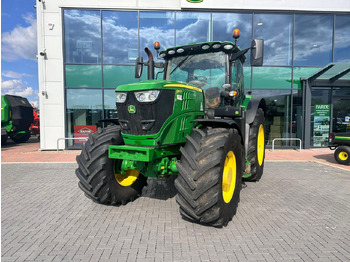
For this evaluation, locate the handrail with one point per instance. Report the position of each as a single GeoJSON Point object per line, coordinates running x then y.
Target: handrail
{"type": "Point", "coordinates": [291, 139]}
{"type": "Point", "coordinates": [68, 138]}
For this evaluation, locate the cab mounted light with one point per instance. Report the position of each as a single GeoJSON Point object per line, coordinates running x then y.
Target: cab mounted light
{"type": "Point", "coordinates": [205, 47]}
{"type": "Point", "coordinates": [180, 50]}
{"type": "Point", "coordinates": [171, 52]}
{"type": "Point", "coordinates": [216, 46]}
{"type": "Point", "coordinates": [236, 34]}
{"type": "Point", "coordinates": [157, 47]}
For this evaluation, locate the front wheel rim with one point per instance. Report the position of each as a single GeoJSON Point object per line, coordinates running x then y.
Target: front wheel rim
{"type": "Point", "coordinates": [343, 156]}
{"type": "Point", "coordinates": [261, 145]}
{"type": "Point", "coordinates": [229, 177]}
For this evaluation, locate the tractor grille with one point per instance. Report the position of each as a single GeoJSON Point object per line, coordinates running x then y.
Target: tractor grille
{"type": "Point", "coordinates": [148, 117]}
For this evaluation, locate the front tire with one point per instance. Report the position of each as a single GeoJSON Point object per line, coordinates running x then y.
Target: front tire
{"type": "Point", "coordinates": [98, 174]}
{"type": "Point", "coordinates": [210, 176]}
{"type": "Point", "coordinates": [256, 147]}
{"type": "Point", "coordinates": [342, 155]}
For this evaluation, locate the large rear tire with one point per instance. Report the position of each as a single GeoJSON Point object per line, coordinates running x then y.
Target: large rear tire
{"type": "Point", "coordinates": [210, 176]}
{"type": "Point", "coordinates": [98, 175]}
{"type": "Point", "coordinates": [342, 155]}
{"type": "Point", "coordinates": [256, 147]}
{"type": "Point", "coordinates": [21, 137]}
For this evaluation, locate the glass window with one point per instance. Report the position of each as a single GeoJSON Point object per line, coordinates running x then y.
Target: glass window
{"type": "Point", "coordinates": [110, 108]}
{"type": "Point", "coordinates": [192, 28]}
{"type": "Point", "coordinates": [84, 110]}
{"type": "Point", "coordinates": [82, 29]}
{"type": "Point", "coordinates": [341, 109]}
{"type": "Point", "coordinates": [271, 77]}
{"type": "Point", "coordinates": [247, 78]}
{"type": "Point", "coordinates": [277, 119]}
{"type": "Point", "coordinates": [114, 76]}
{"type": "Point", "coordinates": [342, 38]}
{"type": "Point", "coordinates": [225, 23]}
{"type": "Point", "coordinates": [83, 76]}
{"type": "Point", "coordinates": [299, 72]}
{"type": "Point", "coordinates": [277, 32]}
{"type": "Point", "coordinates": [313, 40]}
{"type": "Point", "coordinates": [156, 26]}
{"type": "Point", "coordinates": [120, 37]}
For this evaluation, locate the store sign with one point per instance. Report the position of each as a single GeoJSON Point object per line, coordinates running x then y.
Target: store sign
{"type": "Point", "coordinates": [321, 124]}
{"type": "Point", "coordinates": [83, 132]}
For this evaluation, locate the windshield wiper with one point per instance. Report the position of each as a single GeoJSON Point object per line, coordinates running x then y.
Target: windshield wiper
{"type": "Point", "coordinates": [181, 63]}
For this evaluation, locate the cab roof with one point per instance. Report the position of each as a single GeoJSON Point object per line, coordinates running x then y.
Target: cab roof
{"type": "Point", "coordinates": [201, 48]}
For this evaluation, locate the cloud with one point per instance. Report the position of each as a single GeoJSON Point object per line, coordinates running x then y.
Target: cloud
{"type": "Point", "coordinates": [12, 74]}
{"type": "Point", "coordinates": [20, 42]}
{"type": "Point", "coordinates": [16, 87]}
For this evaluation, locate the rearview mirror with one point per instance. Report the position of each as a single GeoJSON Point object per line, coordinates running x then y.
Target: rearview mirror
{"type": "Point", "coordinates": [257, 52]}
{"type": "Point", "coordinates": [138, 67]}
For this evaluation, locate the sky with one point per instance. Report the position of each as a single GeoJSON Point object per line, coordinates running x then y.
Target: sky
{"type": "Point", "coordinates": [19, 68]}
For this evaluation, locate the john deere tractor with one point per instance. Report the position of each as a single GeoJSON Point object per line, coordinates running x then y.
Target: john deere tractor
{"type": "Point", "coordinates": [16, 118]}
{"type": "Point", "coordinates": [197, 123]}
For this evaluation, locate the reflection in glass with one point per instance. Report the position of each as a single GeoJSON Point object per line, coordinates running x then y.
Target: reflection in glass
{"type": "Point", "coordinates": [83, 76]}
{"type": "Point", "coordinates": [120, 40]}
{"type": "Point", "coordinates": [277, 31]}
{"type": "Point", "coordinates": [299, 72]}
{"type": "Point", "coordinates": [114, 76]}
{"type": "Point", "coordinates": [84, 110]}
{"type": "Point", "coordinates": [342, 39]}
{"type": "Point", "coordinates": [313, 40]}
{"type": "Point", "coordinates": [341, 109]}
{"type": "Point", "coordinates": [110, 109]}
{"type": "Point", "coordinates": [156, 26]}
{"type": "Point", "coordinates": [225, 23]}
{"type": "Point", "coordinates": [82, 29]}
{"type": "Point", "coordinates": [297, 116]}
{"type": "Point", "coordinates": [192, 28]}
{"type": "Point", "coordinates": [277, 120]}
{"type": "Point", "coordinates": [271, 77]}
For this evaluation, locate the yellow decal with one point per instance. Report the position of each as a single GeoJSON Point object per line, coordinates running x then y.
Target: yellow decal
{"type": "Point", "coordinates": [185, 86]}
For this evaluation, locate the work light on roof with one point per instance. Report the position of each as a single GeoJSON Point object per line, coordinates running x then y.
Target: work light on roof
{"type": "Point", "coordinates": [216, 46]}
{"type": "Point", "coordinates": [180, 50]}
{"type": "Point", "coordinates": [228, 47]}
{"type": "Point", "coordinates": [205, 47]}
{"type": "Point", "coordinates": [171, 52]}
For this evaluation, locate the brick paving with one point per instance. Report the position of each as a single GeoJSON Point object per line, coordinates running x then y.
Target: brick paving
{"type": "Point", "coordinates": [299, 211]}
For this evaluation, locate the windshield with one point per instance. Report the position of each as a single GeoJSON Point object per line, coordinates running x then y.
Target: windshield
{"type": "Point", "coordinates": [200, 70]}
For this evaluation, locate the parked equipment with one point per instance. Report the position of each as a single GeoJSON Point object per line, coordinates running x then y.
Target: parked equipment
{"type": "Point", "coordinates": [340, 142]}
{"type": "Point", "coordinates": [16, 118]}
{"type": "Point", "coordinates": [196, 123]}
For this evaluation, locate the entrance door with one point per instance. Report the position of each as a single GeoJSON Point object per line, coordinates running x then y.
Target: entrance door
{"type": "Point", "coordinates": [341, 109]}
{"type": "Point", "coordinates": [320, 116]}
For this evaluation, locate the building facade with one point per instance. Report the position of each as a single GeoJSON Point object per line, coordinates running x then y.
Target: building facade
{"type": "Point", "coordinates": [87, 48]}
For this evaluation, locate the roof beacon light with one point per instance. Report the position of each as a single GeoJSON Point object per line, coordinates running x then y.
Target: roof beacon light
{"type": "Point", "coordinates": [236, 34]}
{"type": "Point", "coordinates": [157, 47]}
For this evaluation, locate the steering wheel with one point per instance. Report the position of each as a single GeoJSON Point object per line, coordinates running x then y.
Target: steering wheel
{"type": "Point", "coordinates": [198, 81]}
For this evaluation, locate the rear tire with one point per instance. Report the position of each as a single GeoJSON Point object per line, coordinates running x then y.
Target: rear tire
{"type": "Point", "coordinates": [96, 172]}
{"type": "Point", "coordinates": [342, 155]}
{"type": "Point", "coordinates": [256, 147]}
{"type": "Point", "coordinates": [210, 176]}
{"type": "Point", "coordinates": [21, 138]}
{"type": "Point", "coordinates": [3, 139]}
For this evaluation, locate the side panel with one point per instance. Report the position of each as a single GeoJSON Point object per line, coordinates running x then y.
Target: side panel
{"type": "Point", "coordinates": [5, 111]}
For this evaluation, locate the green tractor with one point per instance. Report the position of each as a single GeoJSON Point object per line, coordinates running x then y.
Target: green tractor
{"type": "Point", "coordinates": [16, 118]}
{"type": "Point", "coordinates": [197, 123]}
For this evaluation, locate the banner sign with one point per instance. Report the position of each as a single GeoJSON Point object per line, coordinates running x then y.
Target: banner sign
{"type": "Point", "coordinates": [321, 124]}
{"type": "Point", "coordinates": [83, 132]}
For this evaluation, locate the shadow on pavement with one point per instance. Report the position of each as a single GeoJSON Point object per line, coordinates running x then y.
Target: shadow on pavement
{"type": "Point", "coordinates": [10, 144]}
{"type": "Point", "coordinates": [161, 189]}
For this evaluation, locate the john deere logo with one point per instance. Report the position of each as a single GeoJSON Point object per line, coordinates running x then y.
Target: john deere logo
{"type": "Point", "coordinates": [194, 1]}
{"type": "Point", "coordinates": [132, 109]}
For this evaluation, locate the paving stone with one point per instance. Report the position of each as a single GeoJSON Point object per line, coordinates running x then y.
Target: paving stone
{"type": "Point", "coordinates": [298, 211]}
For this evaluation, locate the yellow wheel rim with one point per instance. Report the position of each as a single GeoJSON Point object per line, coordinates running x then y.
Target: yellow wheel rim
{"type": "Point", "coordinates": [343, 156]}
{"type": "Point", "coordinates": [128, 179]}
{"type": "Point", "coordinates": [261, 145]}
{"type": "Point", "coordinates": [229, 177]}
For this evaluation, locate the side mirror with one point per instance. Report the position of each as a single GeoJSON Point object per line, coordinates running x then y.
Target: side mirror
{"type": "Point", "coordinates": [138, 67]}
{"type": "Point", "coordinates": [257, 52]}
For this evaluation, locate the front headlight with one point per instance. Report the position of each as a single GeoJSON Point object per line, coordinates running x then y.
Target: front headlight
{"type": "Point", "coordinates": [147, 96]}
{"type": "Point", "coordinates": [120, 97]}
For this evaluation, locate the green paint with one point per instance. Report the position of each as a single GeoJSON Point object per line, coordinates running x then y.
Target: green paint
{"type": "Point", "coordinates": [342, 138]}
